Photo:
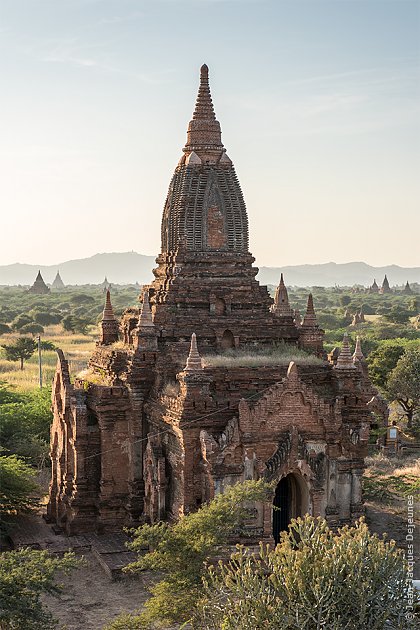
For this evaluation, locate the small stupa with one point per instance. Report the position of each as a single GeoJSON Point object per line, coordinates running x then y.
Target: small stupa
{"type": "Point", "coordinates": [58, 283]}
{"type": "Point", "coordinates": [407, 289]}
{"type": "Point", "coordinates": [39, 287]}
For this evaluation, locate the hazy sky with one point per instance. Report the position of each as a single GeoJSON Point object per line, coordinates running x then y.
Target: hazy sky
{"type": "Point", "coordinates": [318, 102]}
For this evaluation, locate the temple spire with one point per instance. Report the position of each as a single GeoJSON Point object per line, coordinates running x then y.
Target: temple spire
{"type": "Point", "coordinates": [194, 362]}
{"type": "Point", "coordinates": [109, 324]}
{"type": "Point", "coordinates": [358, 354]}
{"type": "Point", "coordinates": [345, 359]}
{"type": "Point", "coordinates": [39, 286]}
{"type": "Point", "coordinates": [204, 136]}
{"type": "Point", "coordinates": [310, 317]}
{"type": "Point", "coordinates": [108, 312]}
{"type": "Point", "coordinates": [145, 319]}
{"type": "Point", "coordinates": [281, 305]}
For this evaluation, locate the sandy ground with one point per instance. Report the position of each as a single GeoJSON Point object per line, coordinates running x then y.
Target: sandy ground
{"type": "Point", "coordinates": [90, 599]}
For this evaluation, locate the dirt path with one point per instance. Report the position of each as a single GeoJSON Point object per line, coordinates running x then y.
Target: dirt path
{"type": "Point", "coordinates": [90, 599]}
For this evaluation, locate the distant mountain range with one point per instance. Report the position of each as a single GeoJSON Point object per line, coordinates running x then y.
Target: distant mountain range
{"type": "Point", "coordinates": [130, 267]}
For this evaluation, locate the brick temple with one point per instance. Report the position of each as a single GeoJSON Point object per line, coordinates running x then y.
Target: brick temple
{"type": "Point", "coordinates": [192, 392]}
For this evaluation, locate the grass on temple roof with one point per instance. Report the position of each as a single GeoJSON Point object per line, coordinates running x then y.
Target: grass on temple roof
{"type": "Point", "coordinates": [280, 354]}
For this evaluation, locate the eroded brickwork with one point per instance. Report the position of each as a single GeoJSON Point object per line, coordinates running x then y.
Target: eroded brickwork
{"type": "Point", "coordinates": [150, 430]}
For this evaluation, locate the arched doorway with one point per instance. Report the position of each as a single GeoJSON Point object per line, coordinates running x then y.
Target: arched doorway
{"type": "Point", "coordinates": [228, 340]}
{"type": "Point", "coordinates": [290, 501]}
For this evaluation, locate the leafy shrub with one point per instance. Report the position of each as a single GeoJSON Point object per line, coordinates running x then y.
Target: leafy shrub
{"type": "Point", "coordinates": [313, 579]}
{"type": "Point", "coordinates": [16, 485]}
{"type": "Point", "coordinates": [24, 576]}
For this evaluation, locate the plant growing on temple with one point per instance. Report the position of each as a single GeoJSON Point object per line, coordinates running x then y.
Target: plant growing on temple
{"type": "Point", "coordinates": [21, 350]}
{"type": "Point", "coordinates": [179, 552]}
{"type": "Point", "coordinates": [24, 576]}
{"type": "Point", "coordinates": [403, 385]}
{"type": "Point", "coordinates": [313, 579]}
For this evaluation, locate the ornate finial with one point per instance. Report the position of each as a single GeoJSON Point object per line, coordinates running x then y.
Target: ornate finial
{"type": "Point", "coordinates": [345, 359]}
{"type": "Point", "coordinates": [204, 135]}
{"type": "Point", "coordinates": [204, 71]}
{"type": "Point", "coordinates": [145, 319]}
{"type": "Point", "coordinates": [281, 300]}
{"type": "Point", "coordinates": [194, 362]}
{"type": "Point", "coordinates": [358, 354]}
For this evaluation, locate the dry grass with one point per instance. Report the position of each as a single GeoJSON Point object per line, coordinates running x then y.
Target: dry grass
{"type": "Point", "coordinates": [281, 354]}
{"type": "Point", "coordinates": [77, 349]}
{"type": "Point", "coordinates": [388, 480]}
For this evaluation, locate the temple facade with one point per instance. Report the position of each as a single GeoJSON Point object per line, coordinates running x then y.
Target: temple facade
{"type": "Point", "coordinates": [191, 392]}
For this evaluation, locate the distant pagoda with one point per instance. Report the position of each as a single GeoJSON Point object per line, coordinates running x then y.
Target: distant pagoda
{"type": "Point", "coordinates": [39, 287]}
{"type": "Point", "coordinates": [105, 285]}
{"type": "Point", "coordinates": [385, 286]}
{"type": "Point", "coordinates": [58, 283]}
{"type": "Point", "coordinates": [407, 289]}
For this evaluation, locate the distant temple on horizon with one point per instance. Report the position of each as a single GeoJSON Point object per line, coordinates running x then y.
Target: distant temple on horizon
{"type": "Point", "coordinates": [58, 283]}
{"type": "Point", "coordinates": [39, 287]}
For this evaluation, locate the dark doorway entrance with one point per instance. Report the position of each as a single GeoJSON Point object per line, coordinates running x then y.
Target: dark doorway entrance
{"type": "Point", "coordinates": [281, 508]}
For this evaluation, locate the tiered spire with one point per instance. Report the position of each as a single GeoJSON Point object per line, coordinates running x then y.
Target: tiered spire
{"type": "Point", "coordinates": [194, 361]}
{"type": "Point", "coordinates": [310, 316]}
{"type": "Point", "coordinates": [39, 287]}
{"type": "Point", "coordinates": [385, 286]}
{"type": "Point", "coordinates": [58, 283]}
{"type": "Point", "coordinates": [281, 305]}
{"type": "Point", "coordinates": [345, 359]}
{"type": "Point", "coordinates": [204, 131]}
{"type": "Point", "coordinates": [358, 354]}
{"type": "Point", "coordinates": [109, 323]}
{"type": "Point", "coordinates": [145, 319]}
{"type": "Point", "coordinates": [108, 312]}
{"type": "Point", "coordinates": [407, 288]}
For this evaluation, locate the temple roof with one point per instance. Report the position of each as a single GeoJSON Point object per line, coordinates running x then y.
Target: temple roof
{"type": "Point", "coordinates": [39, 285]}
{"type": "Point", "coordinates": [281, 300]}
{"type": "Point", "coordinates": [108, 313]}
{"type": "Point", "coordinates": [58, 283]}
{"type": "Point", "coordinates": [205, 208]}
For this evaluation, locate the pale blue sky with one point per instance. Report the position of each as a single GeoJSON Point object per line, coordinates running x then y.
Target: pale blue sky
{"type": "Point", "coordinates": [318, 102]}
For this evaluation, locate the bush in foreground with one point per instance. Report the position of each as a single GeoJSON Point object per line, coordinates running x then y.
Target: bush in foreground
{"type": "Point", "coordinates": [24, 576]}
{"type": "Point", "coordinates": [315, 578]}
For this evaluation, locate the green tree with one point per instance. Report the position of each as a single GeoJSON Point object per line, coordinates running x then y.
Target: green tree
{"type": "Point", "coordinates": [403, 384]}
{"type": "Point", "coordinates": [24, 576]}
{"type": "Point", "coordinates": [81, 298]}
{"type": "Point", "coordinates": [398, 314]}
{"type": "Point", "coordinates": [20, 321]}
{"type": "Point", "coordinates": [384, 359]}
{"type": "Point", "coordinates": [25, 423]}
{"type": "Point", "coordinates": [4, 328]}
{"type": "Point", "coordinates": [179, 552]}
{"type": "Point", "coordinates": [315, 578]}
{"type": "Point", "coordinates": [47, 319]}
{"type": "Point", "coordinates": [33, 328]}
{"type": "Point", "coordinates": [21, 350]}
{"type": "Point", "coordinates": [17, 485]}
{"type": "Point", "coordinates": [345, 300]}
